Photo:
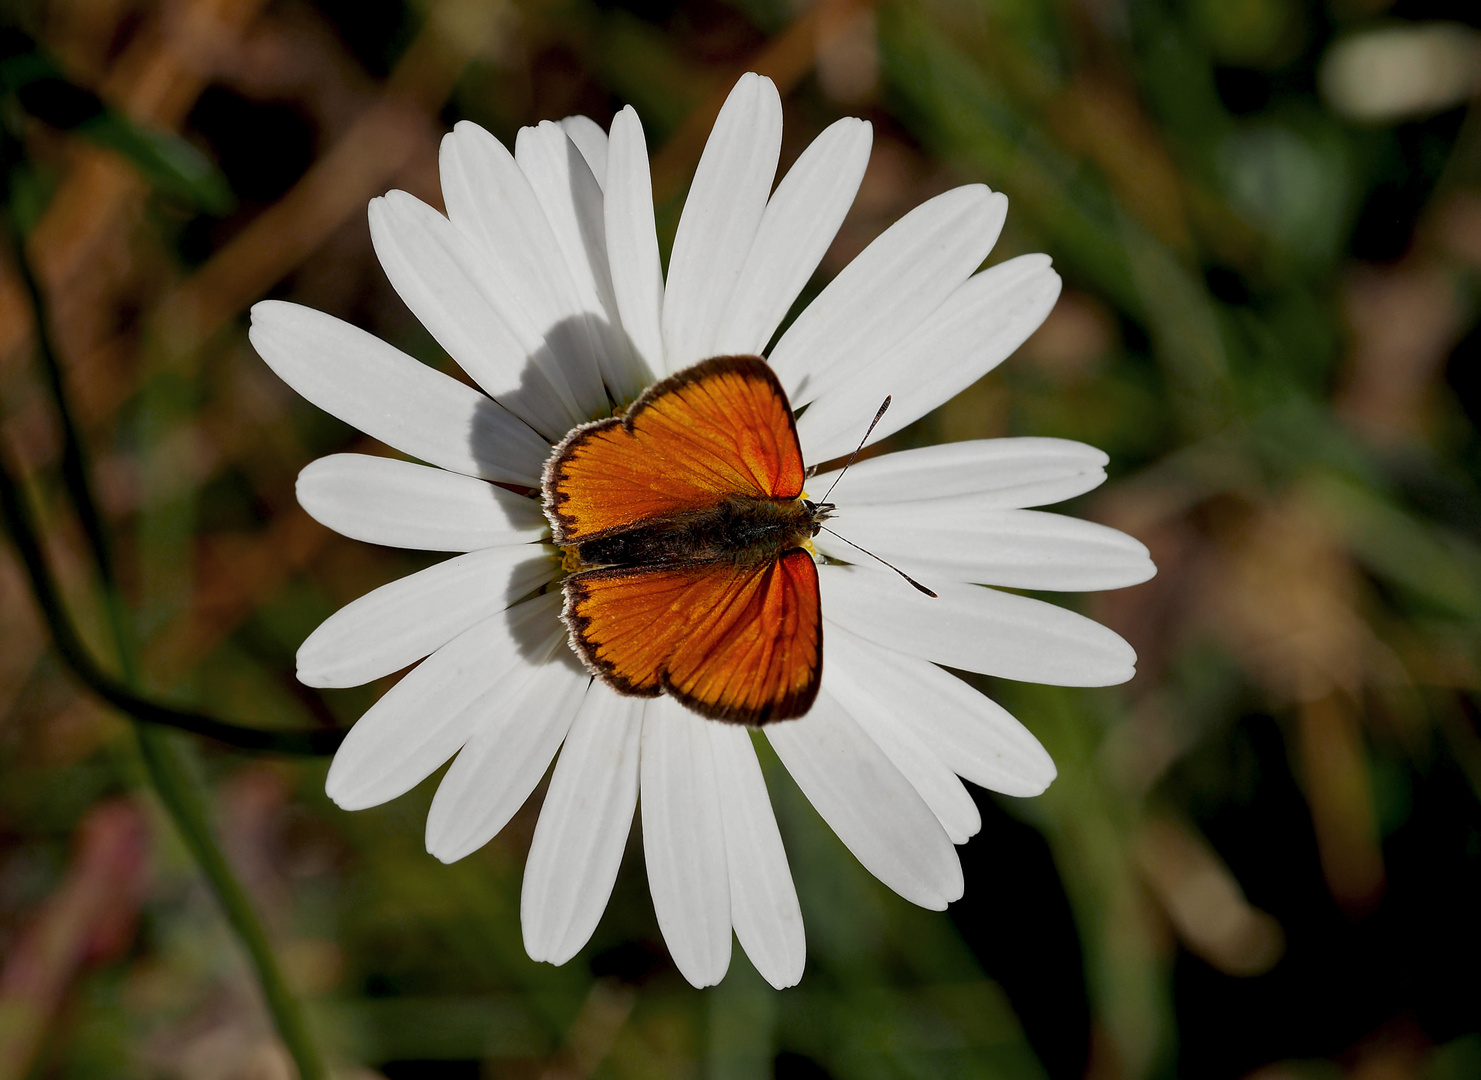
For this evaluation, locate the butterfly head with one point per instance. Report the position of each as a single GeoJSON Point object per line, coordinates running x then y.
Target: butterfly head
{"type": "Point", "coordinates": [819, 512]}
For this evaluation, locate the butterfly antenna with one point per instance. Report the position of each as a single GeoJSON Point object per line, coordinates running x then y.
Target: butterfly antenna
{"type": "Point", "coordinates": [875, 557]}
{"type": "Point", "coordinates": [885, 404]}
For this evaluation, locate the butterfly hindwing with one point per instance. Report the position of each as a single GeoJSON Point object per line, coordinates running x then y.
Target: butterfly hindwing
{"type": "Point", "coordinates": [722, 427]}
{"type": "Point", "coordinates": [732, 642]}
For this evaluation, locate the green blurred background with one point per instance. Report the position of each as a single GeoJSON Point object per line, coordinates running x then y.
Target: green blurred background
{"type": "Point", "coordinates": [1262, 857]}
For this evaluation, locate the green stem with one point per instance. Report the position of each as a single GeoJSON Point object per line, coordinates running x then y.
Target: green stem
{"type": "Point", "coordinates": [181, 796]}
{"type": "Point", "coordinates": [24, 531]}
{"type": "Point", "coordinates": [74, 462]}
{"type": "Point", "coordinates": [25, 535]}
{"type": "Point", "coordinates": [167, 768]}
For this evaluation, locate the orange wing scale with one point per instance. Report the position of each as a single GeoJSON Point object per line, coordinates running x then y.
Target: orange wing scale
{"type": "Point", "coordinates": [732, 642]}
{"type": "Point", "coordinates": [722, 427]}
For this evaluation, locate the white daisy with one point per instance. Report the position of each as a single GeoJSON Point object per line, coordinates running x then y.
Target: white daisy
{"type": "Point", "coordinates": [544, 283]}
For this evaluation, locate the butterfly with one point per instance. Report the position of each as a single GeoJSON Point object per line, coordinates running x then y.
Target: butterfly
{"type": "Point", "coordinates": [685, 527]}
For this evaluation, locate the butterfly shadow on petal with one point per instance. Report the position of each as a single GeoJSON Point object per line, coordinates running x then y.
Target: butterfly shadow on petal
{"type": "Point", "coordinates": [577, 339]}
{"type": "Point", "coordinates": [558, 384]}
{"type": "Point", "coordinates": [532, 627]}
{"type": "Point", "coordinates": [488, 438]}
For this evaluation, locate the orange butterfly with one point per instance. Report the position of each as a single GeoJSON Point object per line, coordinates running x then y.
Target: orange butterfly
{"type": "Point", "coordinates": [689, 534]}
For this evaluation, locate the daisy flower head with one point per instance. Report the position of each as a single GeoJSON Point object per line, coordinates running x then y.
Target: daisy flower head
{"type": "Point", "coordinates": [543, 282]}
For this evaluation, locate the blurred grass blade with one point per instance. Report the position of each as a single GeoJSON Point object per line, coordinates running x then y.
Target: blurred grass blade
{"type": "Point", "coordinates": [1437, 568]}
{"type": "Point", "coordinates": [169, 163]}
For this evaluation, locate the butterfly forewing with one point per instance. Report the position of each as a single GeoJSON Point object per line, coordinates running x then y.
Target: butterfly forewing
{"type": "Point", "coordinates": [720, 428]}
{"type": "Point", "coordinates": [739, 643]}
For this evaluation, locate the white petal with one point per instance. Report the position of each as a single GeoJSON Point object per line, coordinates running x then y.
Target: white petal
{"type": "Point", "coordinates": [978, 327]}
{"type": "Point", "coordinates": [721, 215]}
{"type": "Point", "coordinates": [971, 733]}
{"type": "Point", "coordinates": [524, 272]}
{"type": "Point", "coordinates": [632, 240]}
{"type": "Point", "coordinates": [1002, 473]}
{"type": "Point", "coordinates": [888, 291]}
{"type": "Point", "coordinates": [583, 827]}
{"type": "Point", "coordinates": [684, 841]}
{"type": "Point", "coordinates": [511, 748]}
{"type": "Point", "coordinates": [976, 629]}
{"type": "Point", "coordinates": [591, 140]}
{"type": "Point", "coordinates": [433, 268]}
{"type": "Point", "coordinates": [400, 623]}
{"type": "Point", "coordinates": [866, 801]}
{"type": "Point", "coordinates": [937, 784]}
{"type": "Point", "coordinates": [800, 222]}
{"type": "Point", "coordinates": [423, 719]}
{"type": "Point", "coordinates": [958, 539]}
{"type": "Point", "coordinates": [402, 504]}
{"type": "Point", "coordinates": [763, 899]}
{"type": "Point", "coordinates": [388, 395]}
{"type": "Point", "coordinates": [572, 201]}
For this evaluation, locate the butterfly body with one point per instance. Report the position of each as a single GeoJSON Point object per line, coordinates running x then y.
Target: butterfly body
{"type": "Point", "coordinates": [743, 529]}
{"type": "Point", "coordinates": [685, 532]}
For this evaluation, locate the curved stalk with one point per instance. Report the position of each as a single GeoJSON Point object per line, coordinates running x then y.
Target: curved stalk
{"type": "Point", "coordinates": [167, 768]}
